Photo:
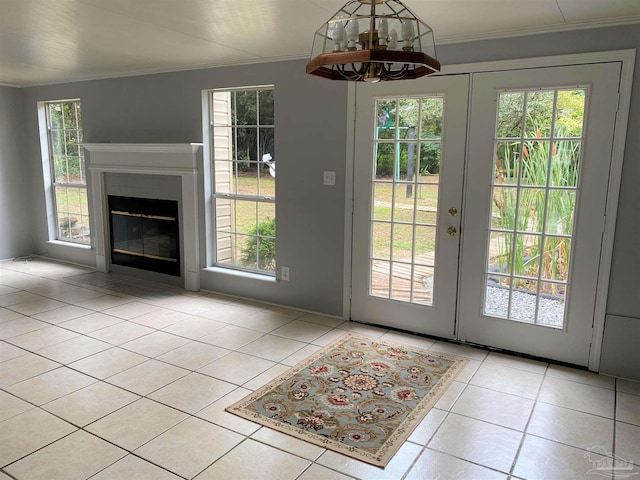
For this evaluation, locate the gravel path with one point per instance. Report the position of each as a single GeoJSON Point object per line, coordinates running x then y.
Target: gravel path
{"type": "Point", "coordinates": [523, 307]}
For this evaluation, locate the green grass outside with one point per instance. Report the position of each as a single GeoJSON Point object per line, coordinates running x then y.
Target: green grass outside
{"type": "Point", "coordinates": [73, 201]}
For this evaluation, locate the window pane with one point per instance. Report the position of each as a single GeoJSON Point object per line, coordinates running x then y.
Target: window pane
{"type": "Point", "coordinates": [429, 167]}
{"type": "Point", "coordinates": [406, 170]}
{"type": "Point", "coordinates": [267, 181]}
{"type": "Point", "coordinates": [408, 118]}
{"type": "Point", "coordinates": [425, 245]}
{"type": "Point", "coordinates": [565, 161]}
{"type": "Point", "coordinates": [560, 212]}
{"type": "Point", "coordinates": [530, 215]}
{"type": "Point", "coordinates": [60, 169]}
{"type": "Point", "coordinates": [244, 164]}
{"type": "Point", "coordinates": [432, 111]}
{"type": "Point", "coordinates": [570, 113]}
{"type": "Point", "coordinates": [55, 116]}
{"type": "Point", "coordinates": [496, 299]}
{"type": "Point", "coordinates": [246, 144]}
{"type": "Point", "coordinates": [555, 258]}
{"type": "Point", "coordinates": [523, 302]}
{"type": "Point", "coordinates": [380, 278]}
{"type": "Point", "coordinates": [267, 143]}
{"type": "Point", "coordinates": [385, 160]}
{"type": "Point", "coordinates": [245, 108]}
{"type": "Point", "coordinates": [71, 139]}
{"type": "Point", "coordinates": [510, 110]}
{"type": "Point", "coordinates": [503, 208]}
{"type": "Point", "coordinates": [386, 119]}
{"type": "Point", "coordinates": [57, 143]}
{"type": "Point", "coordinates": [552, 304]}
{"type": "Point", "coordinates": [247, 178]}
{"type": "Point", "coordinates": [539, 113]}
{"type": "Point", "coordinates": [403, 203]}
{"type": "Point", "coordinates": [507, 162]}
{"type": "Point", "coordinates": [265, 241]}
{"type": "Point", "coordinates": [246, 214]}
{"type": "Point", "coordinates": [74, 167]}
{"type": "Point", "coordinates": [402, 242]}
{"type": "Point", "coordinates": [266, 107]}
{"type": "Point", "coordinates": [72, 213]}
{"type": "Point", "coordinates": [381, 240]}
{"type": "Point", "coordinates": [535, 162]}
{"type": "Point", "coordinates": [382, 193]}
{"type": "Point", "coordinates": [526, 255]}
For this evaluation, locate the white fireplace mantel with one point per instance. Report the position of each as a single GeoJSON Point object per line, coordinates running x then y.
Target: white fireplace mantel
{"type": "Point", "coordinates": [178, 159]}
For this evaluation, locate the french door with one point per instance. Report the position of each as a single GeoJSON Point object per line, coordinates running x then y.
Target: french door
{"type": "Point", "coordinates": [491, 236]}
{"type": "Point", "coordinates": [539, 157]}
{"type": "Point", "coordinates": [407, 198]}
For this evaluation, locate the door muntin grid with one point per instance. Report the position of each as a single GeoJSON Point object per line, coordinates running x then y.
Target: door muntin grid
{"type": "Point", "coordinates": [536, 169]}
{"type": "Point", "coordinates": [407, 147]}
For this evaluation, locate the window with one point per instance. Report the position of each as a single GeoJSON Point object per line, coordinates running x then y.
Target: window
{"type": "Point", "coordinates": [243, 166]}
{"type": "Point", "coordinates": [65, 160]}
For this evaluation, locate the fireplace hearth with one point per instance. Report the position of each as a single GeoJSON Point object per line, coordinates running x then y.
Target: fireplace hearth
{"type": "Point", "coordinates": [145, 234]}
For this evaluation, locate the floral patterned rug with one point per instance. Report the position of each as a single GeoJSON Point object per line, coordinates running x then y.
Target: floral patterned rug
{"type": "Point", "coordinates": [359, 396]}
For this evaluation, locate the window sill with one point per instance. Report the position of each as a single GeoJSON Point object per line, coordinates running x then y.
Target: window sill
{"type": "Point", "coordinates": [239, 273]}
{"type": "Point", "coordinates": [70, 244]}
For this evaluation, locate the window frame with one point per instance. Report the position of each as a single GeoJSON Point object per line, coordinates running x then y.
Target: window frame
{"type": "Point", "coordinates": [231, 265]}
{"type": "Point", "coordinates": [52, 185]}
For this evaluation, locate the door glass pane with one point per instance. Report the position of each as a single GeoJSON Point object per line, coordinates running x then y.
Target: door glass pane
{"type": "Point", "coordinates": [510, 105]}
{"type": "Point", "coordinates": [429, 167]}
{"type": "Point", "coordinates": [570, 113]}
{"type": "Point", "coordinates": [381, 240]}
{"type": "Point", "coordinates": [382, 196]}
{"type": "Point", "coordinates": [386, 119]}
{"type": "Point", "coordinates": [405, 191]}
{"type": "Point", "coordinates": [385, 161]}
{"type": "Point", "coordinates": [431, 117]}
{"type": "Point", "coordinates": [539, 113]}
{"type": "Point", "coordinates": [533, 204]}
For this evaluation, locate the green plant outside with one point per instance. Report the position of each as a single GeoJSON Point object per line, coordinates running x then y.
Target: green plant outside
{"type": "Point", "coordinates": [259, 250]}
{"type": "Point", "coordinates": [533, 211]}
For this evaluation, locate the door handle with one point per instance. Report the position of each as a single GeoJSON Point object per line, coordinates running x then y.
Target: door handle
{"type": "Point", "coordinates": [452, 231]}
{"type": "Point", "coordinates": [453, 211]}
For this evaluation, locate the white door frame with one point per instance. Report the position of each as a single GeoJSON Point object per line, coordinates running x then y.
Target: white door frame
{"type": "Point", "coordinates": [627, 60]}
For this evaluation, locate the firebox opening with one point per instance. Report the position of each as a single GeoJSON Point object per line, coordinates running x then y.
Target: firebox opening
{"type": "Point", "coordinates": [145, 234]}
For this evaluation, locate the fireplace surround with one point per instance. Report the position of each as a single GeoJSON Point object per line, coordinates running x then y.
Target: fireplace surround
{"type": "Point", "coordinates": [152, 162]}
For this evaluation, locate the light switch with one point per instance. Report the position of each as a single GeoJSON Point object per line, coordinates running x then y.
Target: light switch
{"type": "Point", "coordinates": [329, 178]}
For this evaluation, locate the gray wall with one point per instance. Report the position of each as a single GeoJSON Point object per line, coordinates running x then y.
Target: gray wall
{"type": "Point", "coordinates": [311, 119]}
{"type": "Point", "coordinates": [310, 138]}
{"type": "Point", "coordinates": [15, 189]}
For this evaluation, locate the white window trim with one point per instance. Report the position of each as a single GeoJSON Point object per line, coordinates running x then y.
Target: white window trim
{"type": "Point", "coordinates": [48, 180]}
{"type": "Point", "coordinates": [210, 196]}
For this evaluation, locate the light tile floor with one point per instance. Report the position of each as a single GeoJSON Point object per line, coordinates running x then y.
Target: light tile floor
{"type": "Point", "coordinates": [107, 377]}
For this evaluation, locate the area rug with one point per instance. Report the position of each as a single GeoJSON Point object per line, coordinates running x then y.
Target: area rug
{"type": "Point", "coordinates": [359, 396]}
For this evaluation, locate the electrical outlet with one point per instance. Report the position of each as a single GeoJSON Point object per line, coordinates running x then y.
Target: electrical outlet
{"type": "Point", "coordinates": [329, 178]}
{"type": "Point", "coordinates": [284, 274]}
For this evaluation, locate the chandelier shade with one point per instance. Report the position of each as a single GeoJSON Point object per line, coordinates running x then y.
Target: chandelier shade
{"type": "Point", "coordinates": [373, 40]}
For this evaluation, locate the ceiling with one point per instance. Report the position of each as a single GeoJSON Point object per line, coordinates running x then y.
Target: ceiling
{"type": "Point", "coordinates": [53, 41]}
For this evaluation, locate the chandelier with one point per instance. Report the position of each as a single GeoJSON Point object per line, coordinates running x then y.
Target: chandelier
{"type": "Point", "coordinates": [373, 40]}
